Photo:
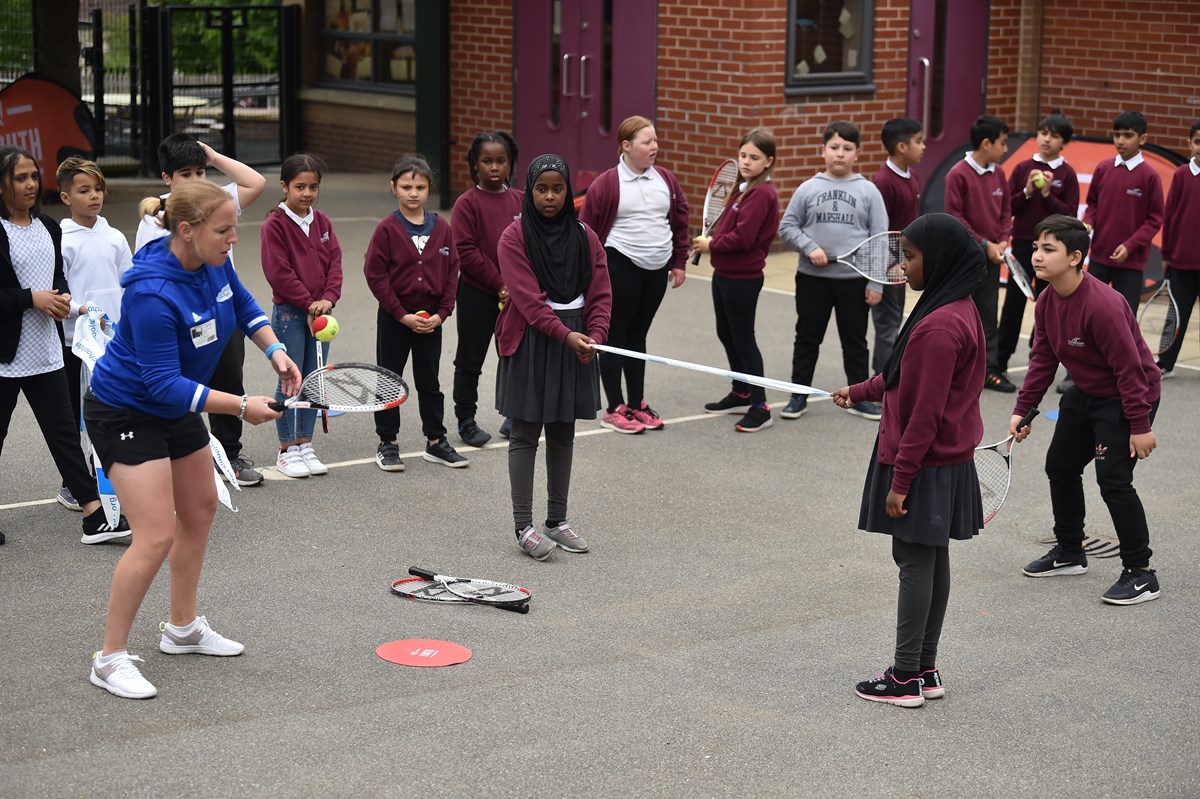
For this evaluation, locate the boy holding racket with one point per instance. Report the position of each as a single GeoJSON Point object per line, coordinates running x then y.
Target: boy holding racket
{"type": "Point", "coordinates": [1044, 184]}
{"type": "Point", "coordinates": [829, 215]}
{"type": "Point", "coordinates": [1181, 244]}
{"type": "Point", "coordinates": [904, 140]}
{"type": "Point", "coordinates": [1105, 416]}
{"type": "Point", "coordinates": [977, 194]}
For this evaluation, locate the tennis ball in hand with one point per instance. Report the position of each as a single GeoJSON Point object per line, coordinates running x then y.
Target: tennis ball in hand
{"type": "Point", "coordinates": [423, 314]}
{"type": "Point", "coordinates": [1039, 180]}
{"type": "Point", "coordinates": [325, 328]}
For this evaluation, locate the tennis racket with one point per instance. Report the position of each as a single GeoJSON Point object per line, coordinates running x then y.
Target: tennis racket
{"type": "Point", "coordinates": [1016, 273]}
{"type": "Point", "coordinates": [754, 380]}
{"type": "Point", "coordinates": [993, 464]}
{"type": "Point", "coordinates": [723, 182]}
{"type": "Point", "coordinates": [429, 585]}
{"type": "Point", "coordinates": [321, 365]}
{"type": "Point", "coordinates": [1159, 319]}
{"type": "Point", "coordinates": [878, 258]}
{"type": "Point", "coordinates": [348, 387]}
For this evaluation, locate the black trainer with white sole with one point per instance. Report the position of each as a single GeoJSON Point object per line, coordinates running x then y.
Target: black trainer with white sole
{"type": "Point", "coordinates": [1132, 587]}
{"type": "Point", "coordinates": [1057, 563]}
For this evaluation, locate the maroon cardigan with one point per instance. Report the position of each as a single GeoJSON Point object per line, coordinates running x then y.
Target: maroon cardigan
{"type": "Point", "coordinates": [604, 195]}
{"type": "Point", "coordinates": [479, 219]}
{"type": "Point", "coordinates": [527, 301]}
{"type": "Point", "coordinates": [405, 281]}
{"type": "Point", "coordinates": [740, 245]}
{"type": "Point", "coordinates": [301, 269]}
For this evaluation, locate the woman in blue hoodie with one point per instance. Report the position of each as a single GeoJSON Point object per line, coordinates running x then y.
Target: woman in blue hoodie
{"type": "Point", "coordinates": [182, 302]}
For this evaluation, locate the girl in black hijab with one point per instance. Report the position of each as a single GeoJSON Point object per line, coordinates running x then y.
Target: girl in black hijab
{"type": "Point", "coordinates": [559, 303]}
{"type": "Point", "coordinates": [921, 487]}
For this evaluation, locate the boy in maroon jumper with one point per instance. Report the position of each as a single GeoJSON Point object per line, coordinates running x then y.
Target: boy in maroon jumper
{"type": "Point", "coordinates": [1181, 244]}
{"type": "Point", "coordinates": [1124, 210]}
{"type": "Point", "coordinates": [977, 195]}
{"type": "Point", "coordinates": [904, 141]}
{"type": "Point", "coordinates": [1104, 417]}
{"type": "Point", "coordinates": [1058, 193]}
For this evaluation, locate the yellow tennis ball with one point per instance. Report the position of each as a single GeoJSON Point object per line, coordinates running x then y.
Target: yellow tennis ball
{"type": "Point", "coordinates": [1039, 180]}
{"type": "Point", "coordinates": [325, 328]}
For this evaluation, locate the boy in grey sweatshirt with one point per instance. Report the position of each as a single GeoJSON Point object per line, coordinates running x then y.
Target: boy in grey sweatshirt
{"type": "Point", "coordinates": [828, 216]}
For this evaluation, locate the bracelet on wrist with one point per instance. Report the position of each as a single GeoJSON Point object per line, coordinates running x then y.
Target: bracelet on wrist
{"type": "Point", "coordinates": [271, 350]}
{"type": "Point", "coordinates": [242, 409]}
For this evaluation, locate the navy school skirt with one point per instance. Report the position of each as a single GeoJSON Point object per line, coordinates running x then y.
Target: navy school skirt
{"type": "Point", "coordinates": [543, 381]}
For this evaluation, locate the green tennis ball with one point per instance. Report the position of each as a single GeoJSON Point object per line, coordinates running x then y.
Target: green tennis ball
{"type": "Point", "coordinates": [1039, 180]}
{"type": "Point", "coordinates": [325, 328]}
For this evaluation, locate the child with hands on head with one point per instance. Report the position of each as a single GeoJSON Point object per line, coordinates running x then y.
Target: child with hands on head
{"type": "Point", "coordinates": [560, 302]}
{"type": "Point", "coordinates": [921, 486]}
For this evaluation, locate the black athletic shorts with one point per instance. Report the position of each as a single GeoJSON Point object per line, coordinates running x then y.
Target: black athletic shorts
{"type": "Point", "coordinates": [123, 435]}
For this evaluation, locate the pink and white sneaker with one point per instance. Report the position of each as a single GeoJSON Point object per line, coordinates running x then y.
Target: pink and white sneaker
{"type": "Point", "coordinates": [622, 420]}
{"type": "Point", "coordinates": [646, 415]}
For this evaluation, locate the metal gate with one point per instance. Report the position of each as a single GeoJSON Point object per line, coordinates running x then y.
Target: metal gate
{"type": "Point", "coordinates": [225, 74]}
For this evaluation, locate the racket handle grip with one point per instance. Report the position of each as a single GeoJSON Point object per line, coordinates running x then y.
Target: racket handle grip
{"type": "Point", "coordinates": [417, 571]}
{"type": "Point", "coordinates": [277, 406]}
{"type": "Point", "coordinates": [1029, 417]}
{"type": "Point", "coordinates": [521, 608]}
{"type": "Point", "coordinates": [696, 259]}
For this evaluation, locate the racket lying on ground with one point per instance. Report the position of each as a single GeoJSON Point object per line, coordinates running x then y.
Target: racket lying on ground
{"type": "Point", "coordinates": [754, 380]}
{"type": "Point", "coordinates": [348, 387]}
{"type": "Point", "coordinates": [1016, 273]}
{"type": "Point", "coordinates": [1159, 319]}
{"type": "Point", "coordinates": [993, 464]}
{"type": "Point", "coordinates": [878, 258]}
{"type": "Point", "coordinates": [428, 585]}
{"type": "Point", "coordinates": [723, 182]}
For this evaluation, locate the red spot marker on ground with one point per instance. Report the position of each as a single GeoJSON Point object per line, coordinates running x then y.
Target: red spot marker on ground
{"type": "Point", "coordinates": [423, 652]}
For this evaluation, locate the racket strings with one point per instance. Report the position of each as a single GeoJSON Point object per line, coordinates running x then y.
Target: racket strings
{"type": "Point", "coordinates": [993, 471]}
{"type": "Point", "coordinates": [1159, 321]}
{"type": "Point", "coordinates": [880, 257]}
{"type": "Point", "coordinates": [723, 184]}
{"type": "Point", "coordinates": [353, 386]}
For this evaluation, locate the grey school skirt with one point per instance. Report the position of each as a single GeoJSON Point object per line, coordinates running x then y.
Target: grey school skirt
{"type": "Point", "coordinates": [543, 381]}
{"type": "Point", "coordinates": [943, 503]}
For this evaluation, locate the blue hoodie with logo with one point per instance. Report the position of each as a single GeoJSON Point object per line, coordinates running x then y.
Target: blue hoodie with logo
{"type": "Point", "coordinates": [174, 326]}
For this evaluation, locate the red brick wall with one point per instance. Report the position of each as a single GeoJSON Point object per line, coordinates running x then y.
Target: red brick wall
{"type": "Point", "coordinates": [1131, 55]}
{"type": "Point", "coordinates": [1004, 32]}
{"type": "Point", "coordinates": [481, 97]}
{"type": "Point", "coordinates": [353, 139]}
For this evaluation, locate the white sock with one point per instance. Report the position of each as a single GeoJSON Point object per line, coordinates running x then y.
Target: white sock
{"type": "Point", "coordinates": [185, 629]}
{"type": "Point", "coordinates": [104, 660]}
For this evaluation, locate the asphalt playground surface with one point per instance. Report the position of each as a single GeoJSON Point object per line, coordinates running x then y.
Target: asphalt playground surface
{"type": "Point", "coordinates": [706, 646]}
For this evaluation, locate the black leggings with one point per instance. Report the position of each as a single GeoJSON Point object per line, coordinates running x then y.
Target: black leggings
{"type": "Point", "coordinates": [522, 460]}
{"type": "Point", "coordinates": [394, 341]}
{"type": "Point", "coordinates": [921, 609]}
{"type": "Point", "coordinates": [475, 313]}
{"type": "Point", "coordinates": [47, 396]}
{"type": "Point", "coordinates": [637, 293]}
{"type": "Point", "coordinates": [735, 303]}
{"type": "Point", "coordinates": [1185, 287]}
{"type": "Point", "coordinates": [816, 298]}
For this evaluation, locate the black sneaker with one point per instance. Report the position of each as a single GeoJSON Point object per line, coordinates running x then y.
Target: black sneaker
{"type": "Point", "coordinates": [506, 429]}
{"type": "Point", "coordinates": [471, 435]}
{"type": "Point", "coordinates": [1133, 586]}
{"type": "Point", "coordinates": [998, 382]}
{"type": "Point", "coordinates": [757, 418]}
{"type": "Point", "coordinates": [730, 403]}
{"type": "Point", "coordinates": [387, 457]}
{"type": "Point", "coordinates": [867, 410]}
{"type": "Point", "coordinates": [885, 688]}
{"type": "Point", "coordinates": [97, 530]}
{"type": "Point", "coordinates": [443, 453]}
{"type": "Point", "coordinates": [1056, 563]}
{"type": "Point", "coordinates": [931, 684]}
{"type": "Point", "coordinates": [245, 473]}
{"type": "Point", "coordinates": [797, 406]}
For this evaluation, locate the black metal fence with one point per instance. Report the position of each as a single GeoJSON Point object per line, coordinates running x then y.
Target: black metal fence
{"type": "Point", "coordinates": [108, 71]}
{"type": "Point", "coordinates": [17, 55]}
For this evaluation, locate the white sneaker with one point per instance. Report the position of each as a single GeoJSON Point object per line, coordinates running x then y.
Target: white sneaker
{"type": "Point", "coordinates": [291, 463]}
{"type": "Point", "coordinates": [121, 677]}
{"type": "Point", "coordinates": [202, 640]}
{"type": "Point", "coordinates": [312, 461]}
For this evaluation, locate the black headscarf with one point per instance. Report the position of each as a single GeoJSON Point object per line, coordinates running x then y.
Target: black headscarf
{"type": "Point", "coordinates": [954, 264]}
{"type": "Point", "coordinates": [558, 247]}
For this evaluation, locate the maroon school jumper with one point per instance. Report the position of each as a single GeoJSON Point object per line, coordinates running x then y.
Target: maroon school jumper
{"type": "Point", "coordinates": [1029, 211]}
{"type": "Point", "coordinates": [931, 415]}
{"type": "Point", "coordinates": [980, 202]}
{"type": "Point", "coordinates": [742, 240]}
{"type": "Point", "coordinates": [1181, 220]}
{"type": "Point", "coordinates": [405, 281]}
{"type": "Point", "coordinates": [901, 196]}
{"type": "Point", "coordinates": [600, 204]}
{"type": "Point", "coordinates": [1125, 206]}
{"type": "Point", "coordinates": [479, 219]}
{"type": "Point", "coordinates": [301, 269]}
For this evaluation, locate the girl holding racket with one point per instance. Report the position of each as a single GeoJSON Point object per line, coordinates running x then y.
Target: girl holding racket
{"type": "Point", "coordinates": [33, 300]}
{"type": "Point", "coordinates": [182, 303]}
{"type": "Point", "coordinates": [739, 248]}
{"type": "Point", "coordinates": [559, 305]}
{"type": "Point", "coordinates": [640, 214]}
{"type": "Point", "coordinates": [921, 487]}
{"type": "Point", "coordinates": [302, 261]}
{"type": "Point", "coordinates": [480, 216]}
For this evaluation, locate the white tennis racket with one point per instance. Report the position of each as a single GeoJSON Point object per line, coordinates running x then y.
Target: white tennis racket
{"type": "Point", "coordinates": [754, 380]}
{"type": "Point", "coordinates": [348, 387]}
{"type": "Point", "coordinates": [429, 585]}
{"type": "Point", "coordinates": [723, 183]}
{"type": "Point", "coordinates": [878, 258]}
{"type": "Point", "coordinates": [993, 464]}
{"type": "Point", "coordinates": [1159, 319]}
{"type": "Point", "coordinates": [1016, 273]}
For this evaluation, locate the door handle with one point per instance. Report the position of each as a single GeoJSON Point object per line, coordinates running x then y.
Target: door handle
{"type": "Point", "coordinates": [927, 78]}
{"type": "Point", "coordinates": [564, 73]}
{"type": "Point", "coordinates": [583, 62]}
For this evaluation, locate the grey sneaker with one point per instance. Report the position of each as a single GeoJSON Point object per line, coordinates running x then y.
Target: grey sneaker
{"type": "Point", "coordinates": [67, 500]}
{"type": "Point", "coordinates": [387, 457]}
{"type": "Point", "coordinates": [122, 677]}
{"type": "Point", "coordinates": [536, 545]}
{"type": "Point", "coordinates": [797, 406]}
{"type": "Point", "coordinates": [867, 410]}
{"type": "Point", "coordinates": [202, 640]}
{"type": "Point", "coordinates": [565, 536]}
{"type": "Point", "coordinates": [244, 472]}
